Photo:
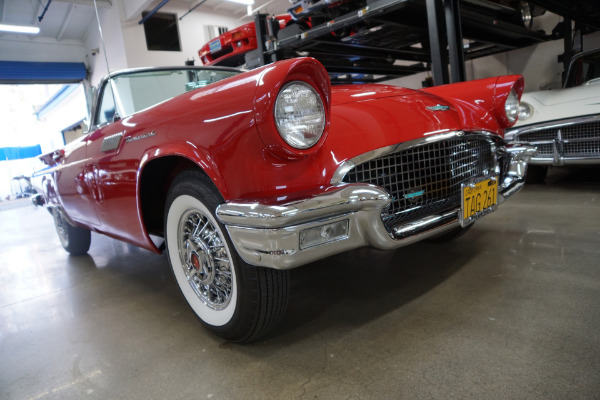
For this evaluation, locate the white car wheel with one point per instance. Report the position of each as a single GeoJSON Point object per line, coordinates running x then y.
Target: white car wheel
{"type": "Point", "coordinates": [234, 300]}
{"type": "Point", "coordinates": [201, 261]}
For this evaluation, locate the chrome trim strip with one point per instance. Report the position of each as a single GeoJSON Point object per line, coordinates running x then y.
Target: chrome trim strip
{"type": "Point", "coordinates": [552, 124]}
{"type": "Point", "coordinates": [414, 227]}
{"type": "Point", "coordinates": [565, 161]}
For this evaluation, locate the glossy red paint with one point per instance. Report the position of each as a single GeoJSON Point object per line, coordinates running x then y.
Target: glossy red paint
{"type": "Point", "coordinates": [228, 130]}
{"type": "Point", "coordinates": [482, 95]}
{"type": "Point", "coordinates": [234, 44]}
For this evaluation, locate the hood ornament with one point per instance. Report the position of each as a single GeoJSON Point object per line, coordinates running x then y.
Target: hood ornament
{"type": "Point", "coordinates": [438, 107]}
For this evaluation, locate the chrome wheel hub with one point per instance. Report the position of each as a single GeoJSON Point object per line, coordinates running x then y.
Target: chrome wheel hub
{"type": "Point", "coordinates": [202, 264]}
{"type": "Point", "coordinates": [205, 260]}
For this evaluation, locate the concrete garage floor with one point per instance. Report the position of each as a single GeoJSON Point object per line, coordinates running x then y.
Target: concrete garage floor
{"type": "Point", "coordinates": [511, 310]}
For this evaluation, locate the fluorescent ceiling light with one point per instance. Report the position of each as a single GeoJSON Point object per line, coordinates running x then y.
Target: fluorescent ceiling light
{"type": "Point", "coordinates": [244, 2]}
{"type": "Point", "coordinates": [20, 29]}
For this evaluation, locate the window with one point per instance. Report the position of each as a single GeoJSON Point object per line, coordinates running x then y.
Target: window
{"type": "Point", "coordinates": [162, 32]}
{"type": "Point", "coordinates": [106, 112]}
{"type": "Point", "coordinates": [73, 132]}
{"type": "Point", "coordinates": [138, 90]}
{"type": "Point", "coordinates": [212, 31]}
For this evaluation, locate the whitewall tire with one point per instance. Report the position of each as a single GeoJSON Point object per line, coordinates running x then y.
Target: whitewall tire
{"type": "Point", "coordinates": [234, 300]}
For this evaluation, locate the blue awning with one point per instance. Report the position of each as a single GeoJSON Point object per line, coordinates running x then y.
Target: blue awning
{"type": "Point", "coordinates": [18, 72]}
{"type": "Point", "coordinates": [16, 153]}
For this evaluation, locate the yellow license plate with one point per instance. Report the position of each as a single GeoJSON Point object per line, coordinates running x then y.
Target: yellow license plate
{"type": "Point", "coordinates": [478, 199]}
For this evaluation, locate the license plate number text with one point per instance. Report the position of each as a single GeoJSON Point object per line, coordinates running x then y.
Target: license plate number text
{"type": "Point", "coordinates": [478, 199]}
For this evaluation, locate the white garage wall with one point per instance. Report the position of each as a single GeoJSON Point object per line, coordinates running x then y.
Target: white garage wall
{"type": "Point", "coordinates": [125, 40]}
{"type": "Point", "coordinates": [191, 35]}
{"type": "Point", "coordinates": [110, 22]}
{"type": "Point", "coordinates": [538, 64]}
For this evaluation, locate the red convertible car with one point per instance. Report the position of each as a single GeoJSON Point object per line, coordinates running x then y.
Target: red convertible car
{"type": "Point", "coordinates": [243, 176]}
{"type": "Point", "coordinates": [230, 48]}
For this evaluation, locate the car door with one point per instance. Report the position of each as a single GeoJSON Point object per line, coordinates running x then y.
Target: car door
{"type": "Point", "coordinates": [73, 183]}
{"type": "Point", "coordinates": [113, 167]}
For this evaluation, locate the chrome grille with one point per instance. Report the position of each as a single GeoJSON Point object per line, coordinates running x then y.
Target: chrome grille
{"type": "Point", "coordinates": [425, 179]}
{"type": "Point", "coordinates": [569, 141]}
{"type": "Point", "coordinates": [582, 148]}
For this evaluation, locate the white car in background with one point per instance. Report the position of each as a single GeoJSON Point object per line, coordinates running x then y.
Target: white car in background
{"type": "Point", "coordinates": [564, 124]}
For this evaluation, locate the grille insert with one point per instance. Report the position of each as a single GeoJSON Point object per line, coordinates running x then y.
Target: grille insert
{"type": "Point", "coordinates": [425, 179]}
{"type": "Point", "coordinates": [570, 141]}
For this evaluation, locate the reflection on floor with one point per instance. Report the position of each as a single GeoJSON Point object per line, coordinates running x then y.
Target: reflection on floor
{"type": "Point", "coordinates": [510, 310]}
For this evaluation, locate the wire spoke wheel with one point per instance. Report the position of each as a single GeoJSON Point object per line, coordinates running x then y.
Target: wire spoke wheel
{"type": "Point", "coordinates": [233, 299]}
{"type": "Point", "coordinates": [205, 259]}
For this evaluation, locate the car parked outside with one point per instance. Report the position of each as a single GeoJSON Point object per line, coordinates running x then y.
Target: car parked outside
{"type": "Point", "coordinates": [240, 177]}
{"type": "Point", "coordinates": [563, 124]}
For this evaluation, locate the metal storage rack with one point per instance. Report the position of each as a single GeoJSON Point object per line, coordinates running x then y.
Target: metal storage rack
{"type": "Point", "coordinates": [394, 38]}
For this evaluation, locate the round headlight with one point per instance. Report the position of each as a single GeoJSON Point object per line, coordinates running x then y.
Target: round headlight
{"type": "Point", "coordinates": [511, 107]}
{"type": "Point", "coordinates": [299, 115]}
{"type": "Point", "coordinates": [525, 111]}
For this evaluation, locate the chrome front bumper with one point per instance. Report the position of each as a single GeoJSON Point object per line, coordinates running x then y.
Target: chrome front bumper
{"type": "Point", "coordinates": [269, 235]}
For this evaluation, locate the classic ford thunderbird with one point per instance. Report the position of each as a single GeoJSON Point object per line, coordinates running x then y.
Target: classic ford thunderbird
{"type": "Point", "coordinates": [563, 124]}
{"type": "Point", "coordinates": [240, 177]}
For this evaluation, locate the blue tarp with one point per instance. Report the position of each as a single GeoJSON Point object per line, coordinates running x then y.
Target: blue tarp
{"type": "Point", "coordinates": [16, 153]}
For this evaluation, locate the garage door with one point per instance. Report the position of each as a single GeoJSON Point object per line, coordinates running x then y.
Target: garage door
{"type": "Point", "coordinates": [18, 72]}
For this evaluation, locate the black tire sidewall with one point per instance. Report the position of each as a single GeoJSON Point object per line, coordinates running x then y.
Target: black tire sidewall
{"type": "Point", "coordinates": [78, 239]}
{"type": "Point", "coordinates": [199, 186]}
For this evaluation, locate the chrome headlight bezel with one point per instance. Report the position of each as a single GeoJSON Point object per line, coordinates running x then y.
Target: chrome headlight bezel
{"type": "Point", "coordinates": [511, 106]}
{"type": "Point", "coordinates": [299, 115]}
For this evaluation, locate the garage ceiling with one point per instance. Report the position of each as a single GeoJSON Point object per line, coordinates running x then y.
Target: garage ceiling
{"type": "Point", "coordinates": [66, 20]}
{"type": "Point", "coordinates": [70, 19]}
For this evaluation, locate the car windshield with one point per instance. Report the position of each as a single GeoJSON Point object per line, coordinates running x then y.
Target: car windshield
{"type": "Point", "coordinates": [136, 91]}
{"type": "Point", "coordinates": [584, 70]}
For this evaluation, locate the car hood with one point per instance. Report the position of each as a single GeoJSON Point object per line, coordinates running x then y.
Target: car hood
{"type": "Point", "coordinates": [353, 93]}
{"type": "Point", "coordinates": [552, 105]}
{"type": "Point", "coordinates": [368, 117]}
